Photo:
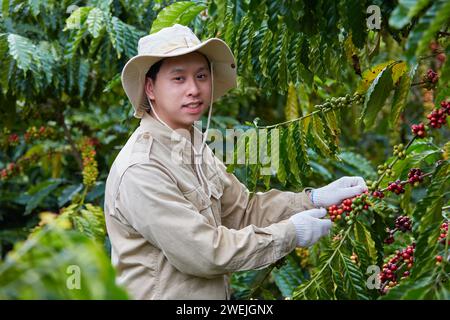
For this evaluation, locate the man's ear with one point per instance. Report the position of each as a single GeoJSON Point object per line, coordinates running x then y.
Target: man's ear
{"type": "Point", "coordinates": [149, 88]}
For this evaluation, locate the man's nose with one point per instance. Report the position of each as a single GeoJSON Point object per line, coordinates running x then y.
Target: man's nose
{"type": "Point", "coordinates": [193, 88]}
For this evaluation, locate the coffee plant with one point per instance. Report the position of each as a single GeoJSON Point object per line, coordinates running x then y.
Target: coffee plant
{"type": "Point", "coordinates": [335, 95]}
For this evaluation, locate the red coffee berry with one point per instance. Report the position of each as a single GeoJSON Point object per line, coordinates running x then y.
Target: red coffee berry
{"type": "Point", "coordinates": [419, 130]}
{"type": "Point", "coordinates": [403, 223]}
{"type": "Point", "coordinates": [396, 187]}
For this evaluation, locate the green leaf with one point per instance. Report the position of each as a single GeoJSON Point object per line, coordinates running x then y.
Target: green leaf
{"type": "Point", "coordinates": [22, 50]}
{"type": "Point", "coordinates": [95, 22]}
{"type": "Point", "coordinates": [442, 18]}
{"type": "Point", "coordinates": [281, 173]}
{"type": "Point", "coordinates": [292, 152]}
{"type": "Point", "coordinates": [182, 12]}
{"type": "Point", "coordinates": [355, 17]}
{"type": "Point", "coordinates": [77, 18]}
{"type": "Point", "coordinates": [329, 134]}
{"type": "Point", "coordinates": [288, 277]}
{"type": "Point", "coordinates": [68, 193]}
{"type": "Point", "coordinates": [361, 164]}
{"type": "Point", "coordinates": [401, 97]}
{"type": "Point", "coordinates": [39, 193]}
{"type": "Point", "coordinates": [300, 133]}
{"type": "Point", "coordinates": [291, 108]}
{"type": "Point", "coordinates": [376, 96]}
{"type": "Point", "coordinates": [354, 282]}
{"type": "Point", "coordinates": [320, 144]}
{"type": "Point", "coordinates": [363, 237]}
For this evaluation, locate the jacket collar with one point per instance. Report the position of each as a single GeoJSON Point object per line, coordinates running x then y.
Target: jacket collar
{"type": "Point", "coordinates": [178, 140]}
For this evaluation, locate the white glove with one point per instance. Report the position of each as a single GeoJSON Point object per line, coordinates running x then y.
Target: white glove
{"type": "Point", "coordinates": [337, 191]}
{"type": "Point", "coordinates": [309, 227]}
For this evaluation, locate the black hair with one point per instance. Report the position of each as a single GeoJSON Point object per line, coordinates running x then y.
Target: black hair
{"type": "Point", "coordinates": [154, 69]}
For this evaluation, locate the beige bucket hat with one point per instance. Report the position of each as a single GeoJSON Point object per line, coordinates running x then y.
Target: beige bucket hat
{"type": "Point", "coordinates": [170, 42]}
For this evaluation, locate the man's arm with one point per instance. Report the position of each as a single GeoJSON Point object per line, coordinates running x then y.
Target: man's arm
{"type": "Point", "coordinates": [151, 202]}
{"type": "Point", "coordinates": [262, 209]}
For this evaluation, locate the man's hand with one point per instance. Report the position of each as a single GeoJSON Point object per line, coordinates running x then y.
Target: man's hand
{"type": "Point", "coordinates": [309, 227]}
{"type": "Point", "coordinates": [337, 191]}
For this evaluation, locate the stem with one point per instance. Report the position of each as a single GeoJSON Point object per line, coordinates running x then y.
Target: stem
{"type": "Point", "coordinates": [418, 83]}
{"type": "Point", "coordinates": [293, 120]}
{"type": "Point", "coordinates": [377, 183]}
{"type": "Point", "coordinates": [68, 136]}
{"type": "Point", "coordinates": [304, 117]}
{"type": "Point", "coordinates": [328, 261]}
{"type": "Point", "coordinates": [437, 52]}
{"type": "Point", "coordinates": [269, 271]}
{"type": "Point", "coordinates": [406, 181]}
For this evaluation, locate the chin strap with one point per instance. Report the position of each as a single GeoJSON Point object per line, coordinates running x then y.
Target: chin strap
{"type": "Point", "coordinates": [198, 156]}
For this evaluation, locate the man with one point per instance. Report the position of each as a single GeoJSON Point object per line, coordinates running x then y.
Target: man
{"type": "Point", "coordinates": [179, 228]}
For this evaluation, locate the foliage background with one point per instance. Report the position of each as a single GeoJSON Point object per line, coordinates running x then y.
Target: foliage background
{"type": "Point", "coordinates": [61, 64]}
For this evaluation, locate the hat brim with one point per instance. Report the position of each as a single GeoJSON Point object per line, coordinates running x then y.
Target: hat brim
{"type": "Point", "coordinates": [217, 51]}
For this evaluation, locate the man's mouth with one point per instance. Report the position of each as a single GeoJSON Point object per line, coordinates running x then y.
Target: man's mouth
{"type": "Point", "coordinates": [194, 107]}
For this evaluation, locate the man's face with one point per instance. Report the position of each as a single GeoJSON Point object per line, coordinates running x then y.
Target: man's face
{"type": "Point", "coordinates": [181, 91]}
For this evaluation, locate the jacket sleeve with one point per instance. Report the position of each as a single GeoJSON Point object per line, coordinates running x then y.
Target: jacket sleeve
{"type": "Point", "coordinates": [150, 200]}
{"type": "Point", "coordinates": [262, 209]}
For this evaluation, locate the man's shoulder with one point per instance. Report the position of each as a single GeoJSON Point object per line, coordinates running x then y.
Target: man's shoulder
{"type": "Point", "coordinates": [136, 150]}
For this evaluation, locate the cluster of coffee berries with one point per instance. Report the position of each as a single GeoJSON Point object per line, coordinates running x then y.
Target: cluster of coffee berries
{"type": "Point", "coordinates": [90, 170]}
{"type": "Point", "coordinates": [438, 260]}
{"type": "Point", "coordinates": [403, 223]}
{"type": "Point", "coordinates": [396, 187]}
{"type": "Point", "coordinates": [33, 133]}
{"type": "Point", "coordinates": [339, 102]}
{"type": "Point", "coordinates": [445, 105]}
{"type": "Point", "coordinates": [354, 258]}
{"type": "Point", "coordinates": [10, 170]}
{"type": "Point", "coordinates": [378, 194]}
{"type": "Point", "coordinates": [415, 176]}
{"type": "Point", "coordinates": [397, 268]}
{"type": "Point", "coordinates": [349, 208]}
{"type": "Point", "coordinates": [386, 169]}
{"type": "Point", "coordinates": [430, 78]}
{"type": "Point", "coordinates": [419, 130]}
{"type": "Point", "coordinates": [435, 47]}
{"type": "Point", "coordinates": [438, 117]}
{"type": "Point", "coordinates": [443, 234]}
{"type": "Point", "coordinates": [399, 151]}
{"type": "Point", "coordinates": [23, 164]}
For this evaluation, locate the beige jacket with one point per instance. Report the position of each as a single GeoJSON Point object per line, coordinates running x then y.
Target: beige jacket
{"type": "Point", "coordinates": [169, 240]}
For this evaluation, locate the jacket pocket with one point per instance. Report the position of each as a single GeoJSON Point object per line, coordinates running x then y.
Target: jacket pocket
{"type": "Point", "coordinates": [202, 203]}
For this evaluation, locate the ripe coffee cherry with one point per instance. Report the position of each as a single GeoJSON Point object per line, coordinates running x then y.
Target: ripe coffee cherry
{"type": "Point", "coordinates": [396, 187]}
{"type": "Point", "coordinates": [439, 259]}
{"type": "Point", "coordinates": [430, 79]}
{"type": "Point", "coordinates": [390, 239]}
{"type": "Point", "coordinates": [444, 231]}
{"type": "Point", "coordinates": [403, 223]}
{"type": "Point", "coordinates": [415, 176]}
{"type": "Point", "coordinates": [419, 130]}
{"type": "Point", "coordinates": [378, 194]}
{"type": "Point", "coordinates": [445, 105]}
{"type": "Point", "coordinates": [437, 118]}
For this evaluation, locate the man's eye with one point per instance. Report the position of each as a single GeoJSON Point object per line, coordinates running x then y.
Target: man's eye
{"type": "Point", "coordinates": [202, 76]}
{"type": "Point", "coordinates": [178, 78]}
